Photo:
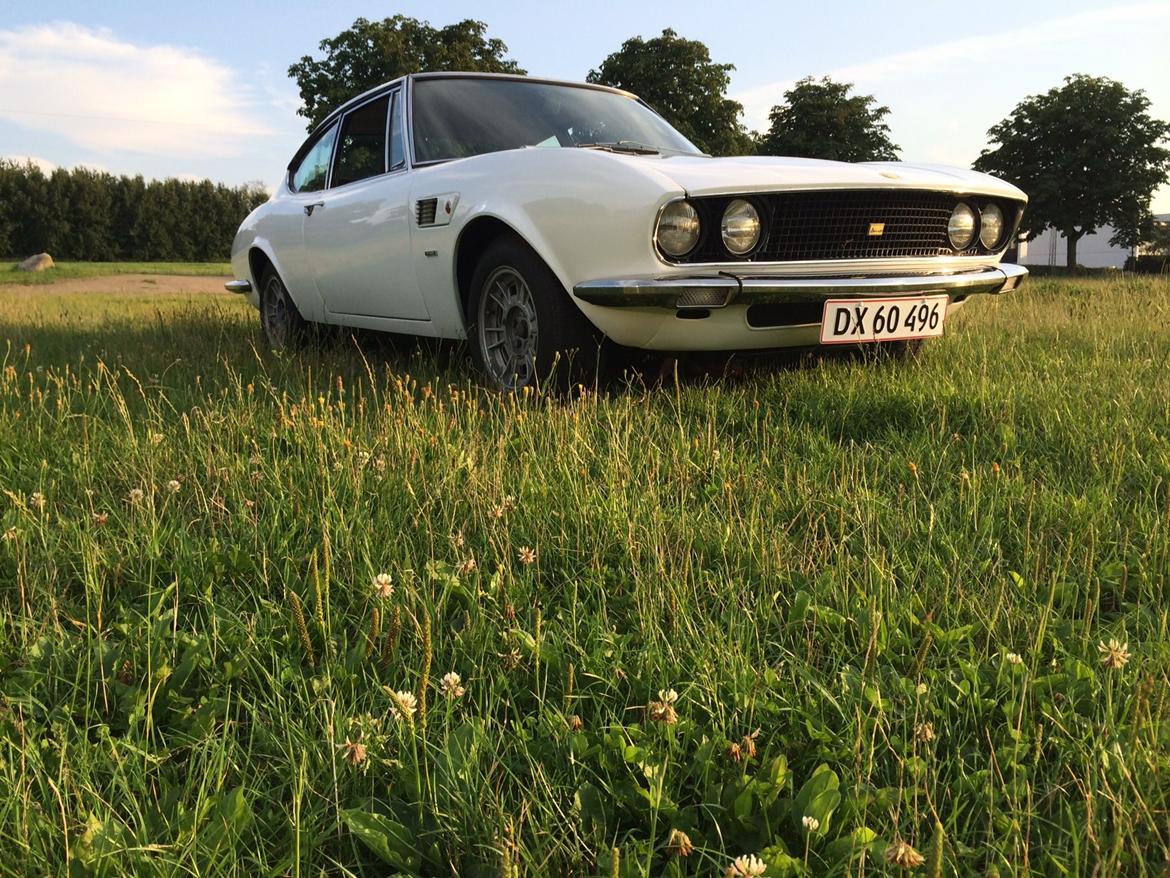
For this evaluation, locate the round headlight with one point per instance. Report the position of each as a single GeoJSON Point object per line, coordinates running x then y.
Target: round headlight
{"type": "Point", "coordinates": [678, 229]}
{"type": "Point", "coordinates": [961, 228]}
{"type": "Point", "coordinates": [990, 226]}
{"type": "Point", "coordinates": [740, 227]}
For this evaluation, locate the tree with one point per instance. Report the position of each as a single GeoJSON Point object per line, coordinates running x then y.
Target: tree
{"type": "Point", "coordinates": [1088, 155]}
{"type": "Point", "coordinates": [820, 120]}
{"type": "Point", "coordinates": [677, 77]}
{"type": "Point", "coordinates": [1156, 239]}
{"type": "Point", "coordinates": [372, 52]}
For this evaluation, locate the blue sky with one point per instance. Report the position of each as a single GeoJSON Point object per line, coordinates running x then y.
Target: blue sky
{"type": "Point", "coordinates": [201, 90]}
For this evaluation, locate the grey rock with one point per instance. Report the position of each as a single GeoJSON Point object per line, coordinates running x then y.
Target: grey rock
{"type": "Point", "coordinates": [40, 262]}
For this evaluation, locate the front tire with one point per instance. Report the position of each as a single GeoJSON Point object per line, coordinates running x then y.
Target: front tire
{"type": "Point", "coordinates": [283, 326]}
{"type": "Point", "coordinates": [525, 332]}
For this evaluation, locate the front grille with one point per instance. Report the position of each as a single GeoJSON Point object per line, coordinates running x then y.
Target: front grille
{"type": "Point", "coordinates": [826, 225]}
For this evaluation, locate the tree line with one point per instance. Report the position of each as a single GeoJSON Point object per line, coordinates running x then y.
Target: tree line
{"type": "Point", "coordinates": [90, 215]}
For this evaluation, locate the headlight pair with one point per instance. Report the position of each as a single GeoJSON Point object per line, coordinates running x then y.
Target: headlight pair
{"type": "Point", "coordinates": [679, 228]}
{"type": "Point", "coordinates": [961, 228]}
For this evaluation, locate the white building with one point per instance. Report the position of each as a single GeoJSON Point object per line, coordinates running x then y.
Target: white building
{"type": "Point", "coordinates": [1093, 251]}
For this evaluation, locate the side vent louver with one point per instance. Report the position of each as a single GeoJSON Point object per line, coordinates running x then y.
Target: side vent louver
{"type": "Point", "coordinates": [425, 209]}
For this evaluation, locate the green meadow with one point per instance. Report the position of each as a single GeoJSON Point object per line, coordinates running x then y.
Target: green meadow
{"type": "Point", "coordinates": [846, 617]}
{"type": "Point", "coordinates": [76, 270]}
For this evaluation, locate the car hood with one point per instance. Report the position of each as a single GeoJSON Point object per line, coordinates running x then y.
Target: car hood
{"type": "Point", "coordinates": [707, 175]}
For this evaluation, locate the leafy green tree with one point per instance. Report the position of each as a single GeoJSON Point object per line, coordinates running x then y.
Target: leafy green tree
{"type": "Point", "coordinates": [1156, 239]}
{"type": "Point", "coordinates": [1088, 154]}
{"type": "Point", "coordinates": [819, 119]}
{"type": "Point", "coordinates": [372, 52]}
{"type": "Point", "coordinates": [677, 77]}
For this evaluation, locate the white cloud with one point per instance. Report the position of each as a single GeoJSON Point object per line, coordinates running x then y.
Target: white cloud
{"type": "Point", "coordinates": [107, 95]}
{"type": "Point", "coordinates": [942, 57]}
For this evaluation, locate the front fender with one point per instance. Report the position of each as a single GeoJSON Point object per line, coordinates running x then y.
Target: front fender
{"type": "Point", "coordinates": [587, 214]}
{"type": "Point", "coordinates": [271, 229]}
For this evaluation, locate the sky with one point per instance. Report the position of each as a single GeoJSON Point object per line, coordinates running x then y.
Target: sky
{"type": "Point", "coordinates": [197, 90]}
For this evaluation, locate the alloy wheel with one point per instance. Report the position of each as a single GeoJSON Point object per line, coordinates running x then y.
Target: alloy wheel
{"type": "Point", "coordinates": [508, 331]}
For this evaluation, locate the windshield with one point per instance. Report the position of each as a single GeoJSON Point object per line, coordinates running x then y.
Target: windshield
{"type": "Point", "coordinates": [464, 116]}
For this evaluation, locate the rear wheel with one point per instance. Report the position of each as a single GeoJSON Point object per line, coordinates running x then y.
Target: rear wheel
{"type": "Point", "coordinates": [525, 332]}
{"type": "Point", "coordinates": [282, 323]}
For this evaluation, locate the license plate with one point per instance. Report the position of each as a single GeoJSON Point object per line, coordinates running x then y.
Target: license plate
{"type": "Point", "coordinates": [854, 321]}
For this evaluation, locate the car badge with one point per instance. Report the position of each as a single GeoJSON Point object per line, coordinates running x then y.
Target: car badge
{"type": "Point", "coordinates": [876, 230]}
{"type": "Point", "coordinates": [890, 175]}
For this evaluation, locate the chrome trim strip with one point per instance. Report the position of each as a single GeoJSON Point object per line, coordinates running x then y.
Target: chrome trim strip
{"type": "Point", "coordinates": [665, 292]}
{"type": "Point", "coordinates": [238, 286]}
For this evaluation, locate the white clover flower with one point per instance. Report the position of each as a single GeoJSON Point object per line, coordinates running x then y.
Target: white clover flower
{"type": "Point", "coordinates": [1013, 658]}
{"type": "Point", "coordinates": [810, 823]}
{"type": "Point", "coordinates": [1114, 654]}
{"type": "Point", "coordinates": [383, 585]}
{"type": "Point", "coordinates": [404, 704]}
{"type": "Point", "coordinates": [37, 500]}
{"type": "Point", "coordinates": [667, 696]}
{"type": "Point", "coordinates": [747, 866]}
{"type": "Point", "coordinates": [135, 495]}
{"type": "Point", "coordinates": [451, 687]}
{"type": "Point", "coordinates": [173, 486]}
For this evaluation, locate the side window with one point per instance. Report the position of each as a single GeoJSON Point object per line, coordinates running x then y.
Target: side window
{"type": "Point", "coordinates": [311, 173]}
{"type": "Point", "coordinates": [361, 149]}
{"type": "Point", "coordinates": [397, 146]}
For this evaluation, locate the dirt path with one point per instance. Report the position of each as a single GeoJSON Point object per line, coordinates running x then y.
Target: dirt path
{"type": "Point", "coordinates": [126, 284]}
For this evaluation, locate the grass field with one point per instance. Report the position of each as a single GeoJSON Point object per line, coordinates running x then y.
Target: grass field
{"type": "Point", "coordinates": [832, 616]}
{"type": "Point", "coordinates": [69, 270]}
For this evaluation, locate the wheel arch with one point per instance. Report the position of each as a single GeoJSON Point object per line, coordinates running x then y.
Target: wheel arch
{"type": "Point", "coordinates": [262, 259]}
{"type": "Point", "coordinates": [475, 237]}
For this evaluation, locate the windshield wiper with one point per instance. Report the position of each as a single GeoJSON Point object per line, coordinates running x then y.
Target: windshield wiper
{"type": "Point", "coordinates": [630, 146]}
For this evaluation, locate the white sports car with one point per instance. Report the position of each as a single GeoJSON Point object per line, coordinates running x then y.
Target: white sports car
{"type": "Point", "coordinates": [553, 223]}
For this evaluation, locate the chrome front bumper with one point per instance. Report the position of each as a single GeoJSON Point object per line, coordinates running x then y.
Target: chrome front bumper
{"type": "Point", "coordinates": [725, 288]}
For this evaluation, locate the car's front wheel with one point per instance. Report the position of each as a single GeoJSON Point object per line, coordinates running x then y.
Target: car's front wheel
{"type": "Point", "coordinates": [282, 323]}
{"type": "Point", "coordinates": [525, 332]}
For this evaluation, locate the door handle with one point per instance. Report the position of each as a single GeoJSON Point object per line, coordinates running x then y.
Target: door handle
{"type": "Point", "coordinates": [309, 208]}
